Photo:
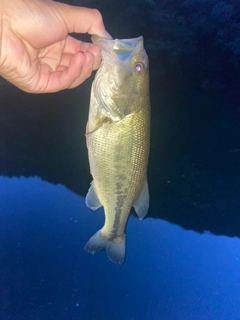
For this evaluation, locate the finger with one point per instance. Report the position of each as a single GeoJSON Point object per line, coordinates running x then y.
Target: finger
{"type": "Point", "coordinates": [65, 61]}
{"type": "Point", "coordinates": [78, 70]}
{"type": "Point", "coordinates": [86, 70]}
{"type": "Point", "coordinates": [83, 20]}
{"type": "Point", "coordinates": [97, 57]}
{"type": "Point", "coordinates": [73, 45]}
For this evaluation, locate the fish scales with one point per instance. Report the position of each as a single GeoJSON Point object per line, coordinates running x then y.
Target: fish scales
{"type": "Point", "coordinates": [118, 148]}
{"type": "Point", "coordinates": [118, 163]}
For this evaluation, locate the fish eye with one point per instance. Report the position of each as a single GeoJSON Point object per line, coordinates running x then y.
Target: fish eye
{"type": "Point", "coordinates": [139, 67]}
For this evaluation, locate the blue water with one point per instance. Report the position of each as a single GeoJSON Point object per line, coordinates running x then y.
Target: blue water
{"type": "Point", "coordinates": [169, 273]}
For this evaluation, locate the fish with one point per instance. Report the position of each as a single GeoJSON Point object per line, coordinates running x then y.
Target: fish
{"type": "Point", "coordinates": [118, 141]}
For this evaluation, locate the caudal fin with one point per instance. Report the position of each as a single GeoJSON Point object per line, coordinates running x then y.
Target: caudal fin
{"type": "Point", "coordinates": [115, 251]}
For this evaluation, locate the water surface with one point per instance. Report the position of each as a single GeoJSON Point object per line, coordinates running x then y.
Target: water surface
{"type": "Point", "coordinates": [169, 273]}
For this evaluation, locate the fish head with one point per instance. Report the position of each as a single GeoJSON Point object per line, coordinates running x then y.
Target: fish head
{"type": "Point", "coordinates": [122, 81]}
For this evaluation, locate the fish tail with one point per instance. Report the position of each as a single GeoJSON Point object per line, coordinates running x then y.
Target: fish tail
{"type": "Point", "coordinates": [115, 250]}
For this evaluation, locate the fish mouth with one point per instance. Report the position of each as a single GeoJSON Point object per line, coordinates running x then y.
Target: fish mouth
{"type": "Point", "coordinates": [116, 45]}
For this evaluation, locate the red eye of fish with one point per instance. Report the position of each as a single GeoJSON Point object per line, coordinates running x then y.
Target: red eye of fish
{"type": "Point", "coordinates": [139, 67]}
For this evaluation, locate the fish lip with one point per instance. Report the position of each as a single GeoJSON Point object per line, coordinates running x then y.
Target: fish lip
{"type": "Point", "coordinates": [96, 39]}
{"type": "Point", "coordinates": [124, 45]}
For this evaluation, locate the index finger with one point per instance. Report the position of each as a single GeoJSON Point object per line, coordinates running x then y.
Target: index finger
{"type": "Point", "coordinates": [83, 20]}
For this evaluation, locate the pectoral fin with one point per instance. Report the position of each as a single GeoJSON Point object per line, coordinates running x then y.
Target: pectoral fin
{"type": "Point", "coordinates": [98, 125]}
{"type": "Point", "coordinates": [92, 200]}
{"type": "Point", "coordinates": [142, 203]}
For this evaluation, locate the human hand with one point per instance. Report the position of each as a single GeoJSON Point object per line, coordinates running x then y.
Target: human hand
{"type": "Point", "coordinates": [36, 52]}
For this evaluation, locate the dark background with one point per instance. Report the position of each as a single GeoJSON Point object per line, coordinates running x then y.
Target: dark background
{"type": "Point", "coordinates": [194, 181]}
{"type": "Point", "coordinates": [194, 52]}
{"type": "Point", "coordinates": [195, 42]}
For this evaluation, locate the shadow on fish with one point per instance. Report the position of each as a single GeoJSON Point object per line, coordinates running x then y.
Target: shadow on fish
{"type": "Point", "coordinates": [118, 138]}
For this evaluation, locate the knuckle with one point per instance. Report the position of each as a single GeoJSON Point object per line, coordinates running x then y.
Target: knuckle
{"type": "Point", "coordinates": [97, 14]}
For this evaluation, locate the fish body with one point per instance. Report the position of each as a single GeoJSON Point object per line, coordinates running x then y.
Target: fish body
{"type": "Point", "coordinates": [118, 134]}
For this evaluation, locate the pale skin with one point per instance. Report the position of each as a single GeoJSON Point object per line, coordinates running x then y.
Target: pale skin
{"type": "Point", "coordinates": [36, 52]}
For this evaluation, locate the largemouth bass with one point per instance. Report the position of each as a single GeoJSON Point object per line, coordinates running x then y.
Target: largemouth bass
{"type": "Point", "coordinates": [117, 134]}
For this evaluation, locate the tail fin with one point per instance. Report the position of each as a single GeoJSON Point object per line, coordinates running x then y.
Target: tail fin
{"type": "Point", "coordinates": [115, 251]}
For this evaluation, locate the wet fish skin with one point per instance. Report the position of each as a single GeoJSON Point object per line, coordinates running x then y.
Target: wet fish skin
{"type": "Point", "coordinates": [118, 134]}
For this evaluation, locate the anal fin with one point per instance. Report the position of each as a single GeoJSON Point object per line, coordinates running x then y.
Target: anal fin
{"type": "Point", "coordinates": [92, 200]}
{"type": "Point", "coordinates": [142, 203]}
